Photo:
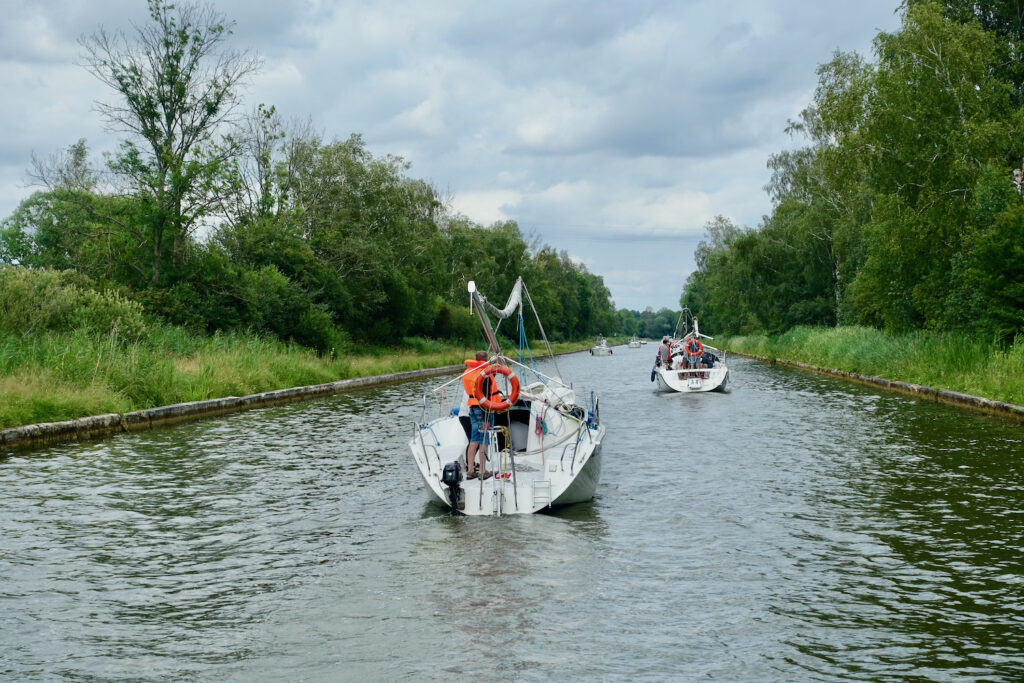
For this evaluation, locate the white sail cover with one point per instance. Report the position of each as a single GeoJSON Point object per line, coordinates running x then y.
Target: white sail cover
{"type": "Point", "coordinates": [514, 300]}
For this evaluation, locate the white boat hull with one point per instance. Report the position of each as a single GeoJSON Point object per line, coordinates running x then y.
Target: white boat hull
{"type": "Point", "coordinates": [692, 381]}
{"type": "Point", "coordinates": [601, 351]}
{"type": "Point", "coordinates": [559, 467]}
{"type": "Point", "coordinates": [542, 448]}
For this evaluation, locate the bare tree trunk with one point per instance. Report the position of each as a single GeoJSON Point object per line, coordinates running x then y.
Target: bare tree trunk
{"type": "Point", "coordinates": [158, 253]}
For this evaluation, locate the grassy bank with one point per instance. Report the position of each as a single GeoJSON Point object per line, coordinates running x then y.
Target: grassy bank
{"type": "Point", "coordinates": [943, 361]}
{"type": "Point", "coordinates": [59, 376]}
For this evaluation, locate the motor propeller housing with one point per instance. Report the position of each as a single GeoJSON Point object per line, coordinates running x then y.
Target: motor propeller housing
{"type": "Point", "coordinates": [451, 476]}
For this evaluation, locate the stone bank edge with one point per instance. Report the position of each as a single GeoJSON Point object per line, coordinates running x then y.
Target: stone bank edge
{"type": "Point", "coordinates": [103, 425]}
{"type": "Point", "coordinates": [956, 398]}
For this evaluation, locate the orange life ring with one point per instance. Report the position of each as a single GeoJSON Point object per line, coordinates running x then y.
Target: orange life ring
{"type": "Point", "coordinates": [689, 348]}
{"type": "Point", "coordinates": [488, 403]}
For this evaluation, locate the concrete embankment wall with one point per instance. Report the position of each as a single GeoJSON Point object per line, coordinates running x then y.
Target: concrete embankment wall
{"type": "Point", "coordinates": [920, 391]}
{"type": "Point", "coordinates": [102, 425]}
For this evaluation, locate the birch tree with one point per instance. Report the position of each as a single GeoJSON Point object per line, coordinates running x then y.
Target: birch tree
{"type": "Point", "coordinates": [177, 83]}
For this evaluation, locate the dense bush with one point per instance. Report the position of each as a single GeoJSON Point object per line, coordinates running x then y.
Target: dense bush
{"type": "Point", "coordinates": [34, 301]}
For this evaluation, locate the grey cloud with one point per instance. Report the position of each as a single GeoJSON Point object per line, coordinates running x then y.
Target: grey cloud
{"type": "Point", "coordinates": [28, 25]}
{"type": "Point", "coordinates": [520, 29]}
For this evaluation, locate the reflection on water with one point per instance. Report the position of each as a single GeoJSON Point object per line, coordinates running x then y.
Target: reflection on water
{"type": "Point", "coordinates": [795, 528]}
{"type": "Point", "coordinates": [927, 529]}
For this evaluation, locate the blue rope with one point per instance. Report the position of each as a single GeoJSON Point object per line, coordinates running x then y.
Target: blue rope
{"type": "Point", "coordinates": [437, 441]}
{"type": "Point", "coordinates": [524, 343]}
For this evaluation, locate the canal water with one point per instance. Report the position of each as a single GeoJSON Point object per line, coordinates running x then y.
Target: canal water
{"type": "Point", "coordinates": [795, 528]}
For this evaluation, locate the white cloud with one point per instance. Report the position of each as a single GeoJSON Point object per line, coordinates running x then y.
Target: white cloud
{"type": "Point", "coordinates": [554, 118]}
{"type": "Point", "coordinates": [485, 207]}
{"type": "Point", "coordinates": [31, 37]}
{"type": "Point", "coordinates": [281, 81]}
{"type": "Point", "coordinates": [566, 194]}
{"type": "Point", "coordinates": [675, 211]}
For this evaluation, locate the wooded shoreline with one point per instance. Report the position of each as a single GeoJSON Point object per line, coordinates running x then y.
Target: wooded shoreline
{"type": "Point", "coordinates": [99, 426]}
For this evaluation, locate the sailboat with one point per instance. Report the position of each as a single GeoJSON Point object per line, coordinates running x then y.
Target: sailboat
{"type": "Point", "coordinates": [544, 446]}
{"type": "Point", "coordinates": [693, 366]}
{"type": "Point", "coordinates": [601, 348]}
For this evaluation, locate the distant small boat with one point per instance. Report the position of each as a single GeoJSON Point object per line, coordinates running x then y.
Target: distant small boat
{"type": "Point", "coordinates": [693, 366]}
{"type": "Point", "coordinates": [634, 342]}
{"type": "Point", "coordinates": [601, 348]}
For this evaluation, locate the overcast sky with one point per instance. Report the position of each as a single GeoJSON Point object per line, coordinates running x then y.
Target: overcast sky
{"type": "Point", "coordinates": [612, 130]}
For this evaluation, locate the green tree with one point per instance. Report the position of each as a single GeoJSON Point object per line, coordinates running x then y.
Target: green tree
{"type": "Point", "coordinates": [374, 227]}
{"type": "Point", "coordinates": [720, 291]}
{"type": "Point", "coordinates": [178, 83]}
{"type": "Point", "coordinates": [820, 193]}
{"type": "Point", "coordinates": [987, 287]}
{"type": "Point", "coordinates": [1003, 18]}
{"type": "Point", "coordinates": [61, 229]}
{"type": "Point", "coordinates": [936, 115]}
{"type": "Point", "coordinates": [629, 322]}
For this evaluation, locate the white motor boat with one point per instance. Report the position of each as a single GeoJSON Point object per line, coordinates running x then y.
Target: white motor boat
{"type": "Point", "coordinates": [634, 342]}
{"type": "Point", "coordinates": [543, 450]}
{"type": "Point", "coordinates": [601, 348]}
{"type": "Point", "coordinates": [693, 366]}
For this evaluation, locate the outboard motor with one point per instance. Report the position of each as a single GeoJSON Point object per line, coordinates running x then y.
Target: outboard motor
{"type": "Point", "coordinates": [451, 475]}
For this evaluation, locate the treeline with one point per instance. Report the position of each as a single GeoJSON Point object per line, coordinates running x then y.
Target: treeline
{"type": "Point", "coordinates": [648, 324]}
{"type": "Point", "coordinates": [219, 221]}
{"type": "Point", "coordinates": [904, 209]}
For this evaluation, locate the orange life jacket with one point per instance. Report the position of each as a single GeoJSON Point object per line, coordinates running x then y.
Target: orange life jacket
{"type": "Point", "coordinates": [474, 368]}
{"type": "Point", "coordinates": [469, 381]}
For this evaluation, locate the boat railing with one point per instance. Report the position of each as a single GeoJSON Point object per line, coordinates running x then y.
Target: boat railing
{"type": "Point", "coordinates": [580, 431]}
{"type": "Point", "coordinates": [438, 397]}
{"type": "Point", "coordinates": [574, 445]}
{"type": "Point", "coordinates": [424, 445]}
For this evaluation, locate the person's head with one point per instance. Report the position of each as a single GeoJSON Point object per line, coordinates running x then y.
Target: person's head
{"type": "Point", "coordinates": [481, 355]}
{"type": "Point", "coordinates": [664, 340]}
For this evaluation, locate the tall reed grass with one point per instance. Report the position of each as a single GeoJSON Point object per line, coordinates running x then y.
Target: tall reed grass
{"type": "Point", "coordinates": [940, 360]}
